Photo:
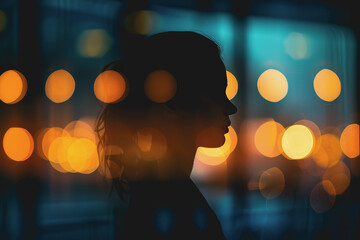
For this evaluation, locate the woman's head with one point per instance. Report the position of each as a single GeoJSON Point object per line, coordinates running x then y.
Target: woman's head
{"type": "Point", "coordinates": [176, 84]}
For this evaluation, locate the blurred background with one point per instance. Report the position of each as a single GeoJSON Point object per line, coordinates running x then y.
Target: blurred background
{"type": "Point", "coordinates": [289, 168]}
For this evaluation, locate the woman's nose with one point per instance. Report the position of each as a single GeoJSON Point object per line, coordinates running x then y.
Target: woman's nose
{"type": "Point", "coordinates": [230, 108]}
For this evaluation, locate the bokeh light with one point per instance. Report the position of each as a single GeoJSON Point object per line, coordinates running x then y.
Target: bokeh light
{"type": "Point", "coordinates": [152, 143]}
{"type": "Point", "coordinates": [160, 86]}
{"type": "Point", "coordinates": [296, 45]}
{"type": "Point", "coordinates": [3, 20]}
{"type": "Point", "coordinates": [339, 176]}
{"type": "Point", "coordinates": [72, 149]}
{"type": "Point", "coordinates": [327, 85]}
{"type": "Point", "coordinates": [59, 86]}
{"type": "Point", "coordinates": [80, 129]}
{"type": "Point", "coordinates": [110, 86]}
{"type": "Point", "coordinates": [82, 155]}
{"type": "Point", "coordinates": [320, 199]}
{"type": "Point", "coordinates": [232, 85]}
{"type": "Point", "coordinates": [328, 152]}
{"type": "Point", "coordinates": [49, 137]}
{"type": "Point", "coordinates": [13, 86]}
{"type": "Point", "coordinates": [349, 141]}
{"type": "Point", "coordinates": [267, 138]}
{"type": "Point", "coordinates": [311, 125]}
{"type": "Point", "coordinates": [216, 156]}
{"type": "Point", "coordinates": [297, 142]}
{"type": "Point", "coordinates": [18, 144]}
{"type": "Point", "coordinates": [272, 85]}
{"type": "Point", "coordinates": [141, 22]}
{"type": "Point", "coordinates": [272, 183]}
{"type": "Point", "coordinates": [94, 43]}
{"type": "Point", "coordinates": [58, 149]}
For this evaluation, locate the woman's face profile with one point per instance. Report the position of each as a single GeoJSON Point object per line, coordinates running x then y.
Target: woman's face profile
{"type": "Point", "coordinates": [212, 117]}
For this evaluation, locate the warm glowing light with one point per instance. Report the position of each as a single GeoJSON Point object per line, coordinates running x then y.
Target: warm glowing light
{"type": "Point", "coordinates": [110, 86]}
{"type": "Point", "coordinates": [3, 21]}
{"type": "Point", "coordinates": [328, 151]}
{"type": "Point", "coordinates": [232, 85]}
{"type": "Point", "coordinates": [59, 86]}
{"type": "Point", "coordinates": [314, 129]}
{"type": "Point", "coordinates": [18, 144]}
{"type": "Point", "coordinates": [349, 141]}
{"type": "Point", "coordinates": [152, 143]}
{"type": "Point", "coordinates": [141, 22]}
{"type": "Point", "coordinates": [82, 155]}
{"type": "Point", "coordinates": [272, 183]}
{"type": "Point", "coordinates": [327, 85]}
{"type": "Point", "coordinates": [310, 165]}
{"type": "Point", "coordinates": [80, 129]}
{"type": "Point", "coordinates": [272, 85]}
{"type": "Point", "coordinates": [320, 199]}
{"type": "Point", "coordinates": [267, 139]}
{"type": "Point", "coordinates": [339, 176]}
{"type": "Point", "coordinates": [296, 45]}
{"type": "Point", "coordinates": [49, 137]}
{"type": "Point", "coordinates": [311, 125]}
{"type": "Point", "coordinates": [216, 156]}
{"type": "Point", "coordinates": [94, 43]}
{"type": "Point", "coordinates": [59, 148]}
{"type": "Point", "coordinates": [58, 167]}
{"type": "Point", "coordinates": [160, 86]}
{"type": "Point", "coordinates": [13, 86]}
{"type": "Point", "coordinates": [297, 142]}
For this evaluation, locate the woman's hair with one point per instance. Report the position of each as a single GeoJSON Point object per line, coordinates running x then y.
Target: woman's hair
{"type": "Point", "coordinates": [186, 56]}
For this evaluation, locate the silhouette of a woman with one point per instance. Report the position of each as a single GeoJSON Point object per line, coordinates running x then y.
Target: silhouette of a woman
{"type": "Point", "coordinates": [174, 102]}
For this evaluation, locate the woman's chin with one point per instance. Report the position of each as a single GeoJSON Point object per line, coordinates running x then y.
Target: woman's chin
{"type": "Point", "coordinates": [211, 138]}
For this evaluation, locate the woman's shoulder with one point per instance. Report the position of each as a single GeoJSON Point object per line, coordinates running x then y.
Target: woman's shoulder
{"type": "Point", "coordinates": [172, 209]}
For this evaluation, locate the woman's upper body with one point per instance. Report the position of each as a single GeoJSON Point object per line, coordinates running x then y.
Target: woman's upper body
{"type": "Point", "coordinates": [170, 210]}
{"type": "Point", "coordinates": [175, 101]}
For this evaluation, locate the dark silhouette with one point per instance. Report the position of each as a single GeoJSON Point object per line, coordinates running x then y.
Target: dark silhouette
{"type": "Point", "coordinates": [152, 169]}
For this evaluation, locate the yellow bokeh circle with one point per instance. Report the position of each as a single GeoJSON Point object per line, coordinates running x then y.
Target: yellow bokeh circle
{"type": "Point", "coordinates": [13, 86]}
{"type": "Point", "coordinates": [110, 86]}
{"type": "Point", "coordinates": [18, 144]}
{"type": "Point", "coordinates": [232, 85]}
{"type": "Point", "coordinates": [60, 86]}
{"type": "Point", "coordinates": [327, 85]}
{"type": "Point", "coordinates": [272, 85]}
{"type": "Point", "coordinates": [297, 142]}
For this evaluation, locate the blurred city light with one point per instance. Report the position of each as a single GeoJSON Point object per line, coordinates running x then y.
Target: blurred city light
{"type": "Point", "coordinates": [232, 85]}
{"type": "Point", "coordinates": [296, 45]}
{"type": "Point", "coordinates": [160, 86]}
{"type": "Point", "coordinates": [141, 22]}
{"type": "Point", "coordinates": [268, 139]}
{"type": "Point", "coordinates": [18, 144]}
{"type": "Point", "coordinates": [216, 156]}
{"type": "Point", "coordinates": [272, 183]}
{"type": "Point", "coordinates": [94, 43]}
{"type": "Point", "coordinates": [349, 141]}
{"type": "Point", "coordinates": [320, 199]}
{"type": "Point", "coordinates": [272, 85]}
{"type": "Point", "coordinates": [13, 86]}
{"type": "Point", "coordinates": [110, 86]}
{"type": "Point", "coordinates": [297, 142]}
{"type": "Point", "coordinates": [59, 86]}
{"type": "Point", "coordinates": [152, 143]}
{"type": "Point", "coordinates": [327, 85]}
{"type": "Point", "coordinates": [3, 20]}
{"type": "Point", "coordinates": [328, 151]}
